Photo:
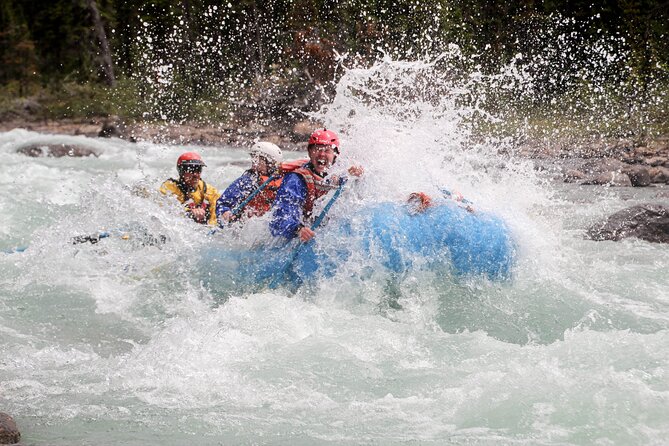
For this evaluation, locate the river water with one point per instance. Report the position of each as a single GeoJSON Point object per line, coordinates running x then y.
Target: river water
{"type": "Point", "coordinates": [122, 343]}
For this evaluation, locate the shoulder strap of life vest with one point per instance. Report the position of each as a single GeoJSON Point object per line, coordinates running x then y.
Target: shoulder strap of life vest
{"type": "Point", "coordinates": [289, 166]}
{"type": "Point", "coordinates": [315, 187]}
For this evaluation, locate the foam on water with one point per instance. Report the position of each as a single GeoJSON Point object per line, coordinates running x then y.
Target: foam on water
{"type": "Point", "coordinates": [121, 342]}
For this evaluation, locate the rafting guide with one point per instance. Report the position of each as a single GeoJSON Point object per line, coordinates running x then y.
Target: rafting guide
{"type": "Point", "coordinates": [304, 185]}
{"type": "Point", "coordinates": [191, 190]}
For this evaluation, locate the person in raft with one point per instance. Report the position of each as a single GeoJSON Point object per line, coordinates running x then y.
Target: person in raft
{"type": "Point", "coordinates": [419, 202]}
{"type": "Point", "coordinates": [198, 197]}
{"type": "Point", "coordinates": [304, 185]}
{"type": "Point", "coordinates": [252, 194]}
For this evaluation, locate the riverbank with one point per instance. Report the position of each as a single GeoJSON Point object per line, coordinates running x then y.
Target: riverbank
{"type": "Point", "coordinates": [170, 133]}
{"type": "Point", "coordinates": [585, 160]}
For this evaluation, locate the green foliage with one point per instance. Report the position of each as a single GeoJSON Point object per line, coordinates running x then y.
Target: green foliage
{"type": "Point", "coordinates": [206, 60]}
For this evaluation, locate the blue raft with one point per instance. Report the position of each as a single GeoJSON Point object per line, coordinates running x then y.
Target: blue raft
{"type": "Point", "coordinates": [386, 235]}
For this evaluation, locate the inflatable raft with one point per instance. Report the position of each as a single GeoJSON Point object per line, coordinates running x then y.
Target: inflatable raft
{"type": "Point", "coordinates": [385, 236]}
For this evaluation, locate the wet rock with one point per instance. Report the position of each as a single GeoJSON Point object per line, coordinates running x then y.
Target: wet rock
{"type": "Point", "coordinates": [573, 175]}
{"type": "Point", "coordinates": [638, 175]}
{"type": "Point", "coordinates": [648, 222]}
{"type": "Point", "coordinates": [659, 174]}
{"type": "Point", "coordinates": [613, 178]}
{"type": "Point", "coordinates": [656, 161]}
{"type": "Point", "coordinates": [56, 151]}
{"type": "Point", "coordinates": [9, 433]}
{"type": "Point", "coordinates": [113, 126]}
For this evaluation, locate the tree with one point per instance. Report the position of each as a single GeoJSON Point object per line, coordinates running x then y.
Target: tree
{"type": "Point", "coordinates": [101, 35]}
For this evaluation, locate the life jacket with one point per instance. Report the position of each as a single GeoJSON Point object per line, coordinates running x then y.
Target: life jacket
{"type": "Point", "coordinates": [262, 202]}
{"type": "Point", "coordinates": [195, 200]}
{"type": "Point", "coordinates": [317, 186]}
{"type": "Point", "coordinates": [202, 197]}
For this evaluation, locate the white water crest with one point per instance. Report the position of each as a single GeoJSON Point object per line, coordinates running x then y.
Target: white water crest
{"type": "Point", "coordinates": [122, 342]}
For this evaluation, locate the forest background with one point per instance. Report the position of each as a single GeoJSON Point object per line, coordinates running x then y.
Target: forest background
{"type": "Point", "coordinates": [261, 66]}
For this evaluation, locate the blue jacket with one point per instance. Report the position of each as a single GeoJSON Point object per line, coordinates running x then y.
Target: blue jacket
{"type": "Point", "coordinates": [288, 206]}
{"type": "Point", "coordinates": [236, 193]}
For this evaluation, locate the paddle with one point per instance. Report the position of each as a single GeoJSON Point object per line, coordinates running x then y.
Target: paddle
{"type": "Point", "coordinates": [92, 239]}
{"type": "Point", "coordinates": [95, 238]}
{"type": "Point", "coordinates": [448, 194]}
{"type": "Point", "coordinates": [468, 205]}
{"type": "Point", "coordinates": [240, 207]}
{"type": "Point", "coordinates": [293, 256]}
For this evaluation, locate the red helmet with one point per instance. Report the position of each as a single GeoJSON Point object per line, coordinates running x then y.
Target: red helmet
{"type": "Point", "coordinates": [190, 159]}
{"type": "Point", "coordinates": [325, 137]}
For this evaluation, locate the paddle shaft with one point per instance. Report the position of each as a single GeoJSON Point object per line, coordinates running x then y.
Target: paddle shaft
{"type": "Point", "coordinates": [240, 207]}
{"type": "Point", "coordinates": [277, 279]}
{"type": "Point", "coordinates": [78, 240]}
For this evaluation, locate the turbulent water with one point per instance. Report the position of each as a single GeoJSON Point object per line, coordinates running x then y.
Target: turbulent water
{"type": "Point", "coordinates": [122, 342]}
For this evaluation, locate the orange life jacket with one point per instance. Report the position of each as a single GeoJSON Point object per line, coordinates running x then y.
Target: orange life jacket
{"type": "Point", "coordinates": [317, 186]}
{"type": "Point", "coordinates": [262, 202]}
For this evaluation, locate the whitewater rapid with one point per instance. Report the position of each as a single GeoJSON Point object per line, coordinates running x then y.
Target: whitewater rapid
{"type": "Point", "coordinates": [120, 343]}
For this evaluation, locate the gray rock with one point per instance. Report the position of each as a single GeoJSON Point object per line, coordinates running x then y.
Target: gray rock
{"type": "Point", "coordinates": [56, 150]}
{"type": "Point", "coordinates": [657, 161]}
{"type": "Point", "coordinates": [9, 433]}
{"type": "Point", "coordinates": [573, 175]}
{"type": "Point", "coordinates": [659, 174]}
{"type": "Point", "coordinates": [648, 222]}
{"type": "Point", "coordinates": [601, 165]}
{"type": "Point", "coordinates": [639, 176]}
{"type": "Point", "coordinates": [613, 178]}
{"type": "Point", "coordinates": [114, 126]}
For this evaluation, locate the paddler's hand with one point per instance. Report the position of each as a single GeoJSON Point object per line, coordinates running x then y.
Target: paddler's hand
{"type": "Point", "coordinates": [305, 234]}
{"type": "Point", "coordinates": [226, 216]}
{"type": "Point", "coordinates": [356, 171]}
{"type": "Point", "coordinates": [199, 214]}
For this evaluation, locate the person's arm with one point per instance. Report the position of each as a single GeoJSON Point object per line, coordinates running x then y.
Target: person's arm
{"type": "Point", "coordinates": [234, 194]}
{"type": "Point", "coordinates": [288, 205]}
{"type": "Point", "coordinates": [170, 187]}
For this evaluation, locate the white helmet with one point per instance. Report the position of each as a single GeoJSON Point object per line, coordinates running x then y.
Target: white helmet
{"type": "Point", "coordinates": [267, 150]}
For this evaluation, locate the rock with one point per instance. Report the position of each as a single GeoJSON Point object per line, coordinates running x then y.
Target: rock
{"type": "Point", "coordinates": [113, 126]}
{"type": "Point", "coordinates": [645, 151]}
{"type": "Point", "coordinates": [659, 174]}
{"type": "Point", "coordinates": [656, 161]}
{"type": "Point", "coordinates": [56, 151]}
{"type": "Point", "coordinates": [613, 178]}
{"type": "Point", "coordinates": [573, 175]}
{"type": "Point", "coordinates": [9, 433]}
{"type": "Point", "coordinates": [639, 176]}
{"type": "Point", "coordinates": [648, 222]}
{"type": "Point", "coordinates": [602, 165]}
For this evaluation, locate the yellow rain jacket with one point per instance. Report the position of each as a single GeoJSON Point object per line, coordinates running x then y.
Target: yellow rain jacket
{"type": "Point", "coordinates": [203, 193]}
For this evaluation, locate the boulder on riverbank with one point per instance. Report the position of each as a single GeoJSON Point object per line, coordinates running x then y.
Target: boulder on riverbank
{"type": "Point", "coordinates": [9, 433]}
{"type": "Point", "coordinates": [56, 151]}
{"type": "Point", "coordinates": [614, 172]}
{"type": "Point", "coordinates": [648, 222]}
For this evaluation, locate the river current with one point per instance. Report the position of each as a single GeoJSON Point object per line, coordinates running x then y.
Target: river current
{"type": "Point", "coordinates": [123, 343]}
